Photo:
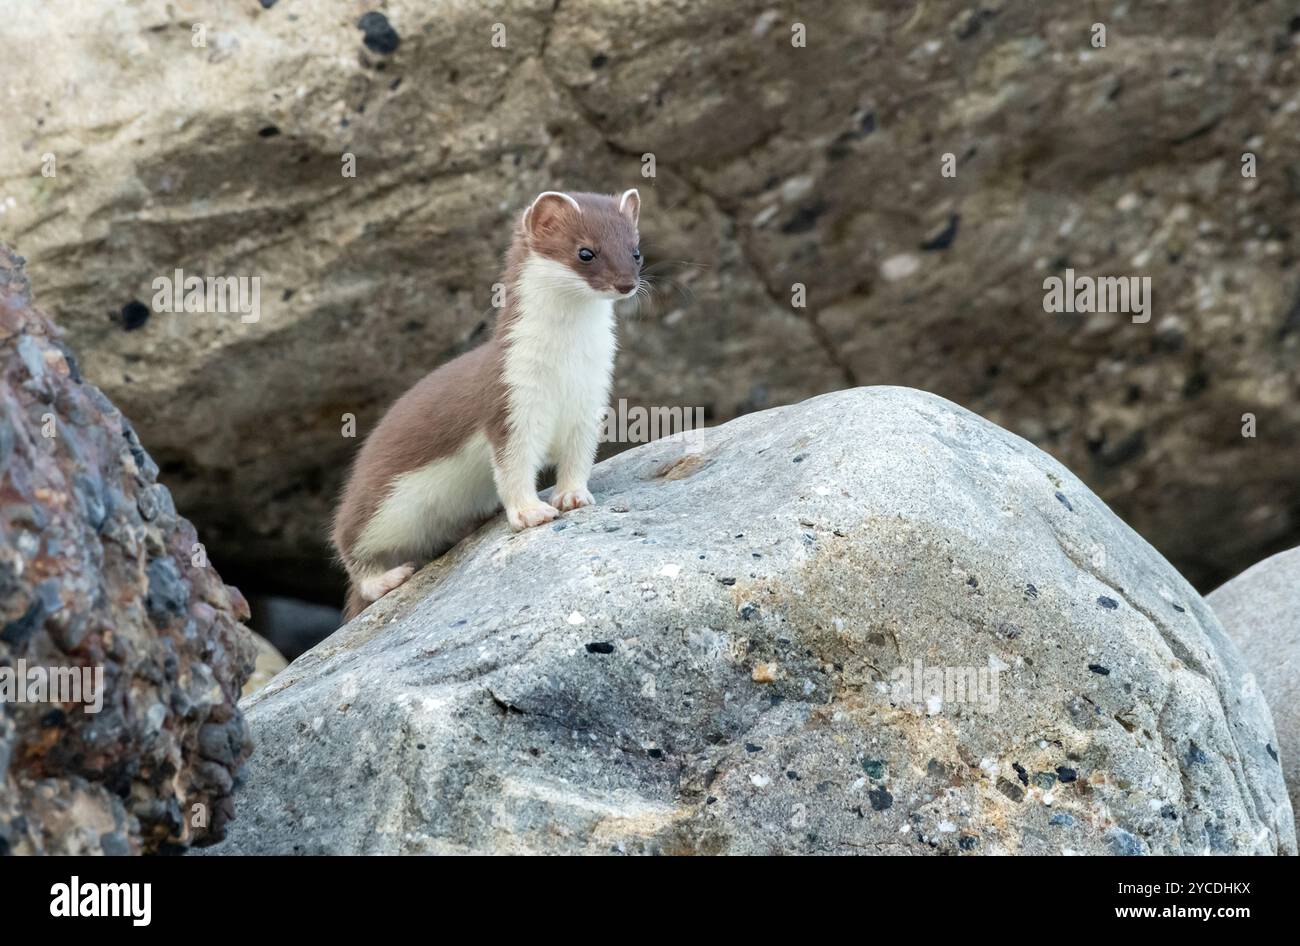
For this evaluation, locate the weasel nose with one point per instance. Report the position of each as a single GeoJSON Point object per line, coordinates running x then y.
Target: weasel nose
{"type": "Point", "coordinates": [625, 288]}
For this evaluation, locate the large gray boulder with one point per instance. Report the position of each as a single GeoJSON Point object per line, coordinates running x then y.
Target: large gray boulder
{"type": "Point", "coordinates": [718, 658]}
{"type": "Point", "coordinates": [129, 151]}
{"type": "Point", "coordinates": [1260, 610]}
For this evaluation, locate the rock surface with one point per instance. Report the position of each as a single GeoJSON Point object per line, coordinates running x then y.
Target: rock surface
{"type": "Point", "coordinates": [774, 165]}
{"type": "Point", "coordinates": [1260, 610]}
{"type": "Point", "coordinates": [269, 662]}
{"type": "Point", "coordinates": [708, 662]}
{"type": "Point", "coordinates": [98, 571]}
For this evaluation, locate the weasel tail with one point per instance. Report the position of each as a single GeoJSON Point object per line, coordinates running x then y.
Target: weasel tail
{"type": "Point", "coordinates": [472, 436]}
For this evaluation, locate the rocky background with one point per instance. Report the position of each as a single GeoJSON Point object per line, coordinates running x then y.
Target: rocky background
{"type": "Point", "coordinates": [98, 571]}
{"type": "Point", "coordinates": [773, 165]}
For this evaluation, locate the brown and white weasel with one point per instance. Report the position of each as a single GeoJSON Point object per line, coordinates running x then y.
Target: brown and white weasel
{"type": "Point", "coordinates": [473, 435]}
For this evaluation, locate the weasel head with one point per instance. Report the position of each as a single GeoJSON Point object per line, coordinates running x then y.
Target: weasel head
{"type": "Point", "coordinates": [593, 237]}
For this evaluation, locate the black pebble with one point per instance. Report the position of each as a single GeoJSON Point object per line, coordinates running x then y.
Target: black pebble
{"type": "Point", "coordinates": [134, 314]}
{"type": "Point", "coordinates": [967, 841]}
{"type": "Point", "coordinates": [880, 799]}
{"type": "Point", "coordinates": [1066, 774]}
{"type": "Point", "coordinates": [1098, 668]}
{"type": "Point", "coordinates": [270, 131]}
{"type": "Point", "coordinates": [267, 4]}
{"type": "Point", "coordinates": [599, 60]}
{"type": "Point", "coordinates": [750, 747]}
{"type": "Point", "coordinates": [943, 239]}
{"type": "Point", "coordinates": [380, 36]}
{"type": "Point", "coordinates": [1110, 604]}
{"type": "Point", "coordinates": [1271, 751]}
{"type": "Point", "coordinates": [1021, 773]}
{"type": "Point", "coordinates": [1064, 502]}
{"type": "Point", "coordinates": [600, 647]}
{"type": "Point", "coordinates": [804, 219]}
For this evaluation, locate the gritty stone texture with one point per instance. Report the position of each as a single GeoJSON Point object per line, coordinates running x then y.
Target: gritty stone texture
{"type": "Point", "coordinates": [269, 662]}
{"type": "Point", "coordinates": [1260, 610]}
{"type": "Point", "coordinates": [96, 570]}
{"type": "Point", "coordinates": [775, 165]}
{"type": "Point", "coordinates": [703, 664]}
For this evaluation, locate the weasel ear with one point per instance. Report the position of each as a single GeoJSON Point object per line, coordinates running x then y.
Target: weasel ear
{"type": "Point", "coordinates": [629, 205]}
{"type": "Point", "coordinates": [545, 213]}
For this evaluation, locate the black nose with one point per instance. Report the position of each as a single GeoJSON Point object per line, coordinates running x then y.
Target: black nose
{"type": "Point", "coordinates": [625, 288]}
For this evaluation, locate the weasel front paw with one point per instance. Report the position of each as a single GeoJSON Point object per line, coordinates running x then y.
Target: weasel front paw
{"type": "Point", "coordinates": [534, 514]}
{"type": "Point", "coordinates": [564, 500]}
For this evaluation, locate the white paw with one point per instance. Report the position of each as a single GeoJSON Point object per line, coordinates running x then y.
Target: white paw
{"type": "Point", "coordinates": [565, 500]}
{"type": "Point", "coordinates": [534, 514]}
{"type": "Point", "coordinates": [374, 588]}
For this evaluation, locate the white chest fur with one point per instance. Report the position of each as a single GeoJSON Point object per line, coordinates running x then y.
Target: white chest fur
{"type": "Point", "coordinates": [559, 359]}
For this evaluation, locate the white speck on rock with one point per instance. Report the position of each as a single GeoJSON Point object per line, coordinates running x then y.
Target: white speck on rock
{"type": "Point", "coordinates": [766, 20]}
{"type": "Point", "coordinates": [765, 215]}
{"type": "Point", "coordinates": [796, 188]}
{"type": "Point", "coordinates": [900, 266]}
{"type": "Point", "coordinates": [575, 619]}
{"type": "Point", "coordinates": [760, 781]}
{"type": "Point", "coordinates": [670, 571]}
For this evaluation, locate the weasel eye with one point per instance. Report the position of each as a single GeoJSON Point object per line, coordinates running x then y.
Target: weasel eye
{"type": "Point", "coordinates": [636, 254]}
{"type": "Point", "coordinates": [586, 255]}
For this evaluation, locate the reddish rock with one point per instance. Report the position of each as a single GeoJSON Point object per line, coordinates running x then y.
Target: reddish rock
{"type": "Point", "coordinates": [97, 570]}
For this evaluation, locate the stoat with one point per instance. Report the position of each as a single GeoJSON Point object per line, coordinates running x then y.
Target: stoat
{"type": "Point", "coordinates": [472, 436]}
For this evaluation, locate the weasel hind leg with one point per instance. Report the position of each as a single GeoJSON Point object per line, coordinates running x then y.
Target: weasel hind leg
{"type": "Point", "coordinates": [376, 586]}
{"type": "Point", "coordinates": [366, 590]}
